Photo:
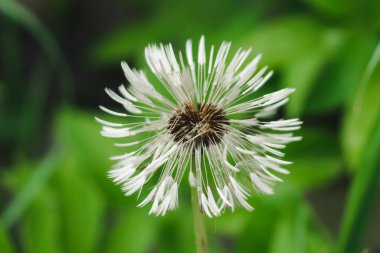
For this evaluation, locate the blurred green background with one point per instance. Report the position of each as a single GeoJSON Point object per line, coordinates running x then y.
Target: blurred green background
{"type": "Point", "coordinates": [56, 57]}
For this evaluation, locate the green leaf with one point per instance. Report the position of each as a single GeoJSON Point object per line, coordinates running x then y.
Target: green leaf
{"type": "Point", "coordinates": [79, 135]}
{"type": "Point", "coordinates": [299, 47]}
{"type": "Point", "coordinates": [283, 238]}
{"type": "Point", "coordinates": [332, 7]}
{"type": "Point", "coordinates": [301, 75]}
{"type": "Point", "coordinates": [129, 41]}
{"type": "Point", "coordinates": [37, 181]}
{"type": "Point", "coordinates": [302, 217]}
{"type": "Point", "coordinates": [278, 39]}
{"type": "Point", "coordinates": [361, 196]}
{"type": "Point", "coordinates": [31, 208]}
{"type": "Point", "coordinates": [124, 43]}
{"type": "Point", "coordinates": [356, 13]}
{"type": "Point", "coordinates": [361, 115]}
{"type": "Point", "coordinates": [179, 226]}
{"type": "Point", "coordinates": [321, 159]}
{"type": "Point", "coordinates": [262, 222]}
{"type": "Point", "coordinates": [82, 207]}
{"type": "Point", "coordinates": [339, 79]}
{"type": "Point", "coordinates": [318, 240]}
{"type": "Point", "coordinates": [40, 225]}
{"type": "Point", "coordinates": [131, 230]}
{"type": "Point", "coordinates": [5, 243]}
{"type": "Point", "coordinates": [296, 233]}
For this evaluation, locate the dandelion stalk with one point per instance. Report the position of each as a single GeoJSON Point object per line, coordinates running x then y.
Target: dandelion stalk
{"type": "Point", "coordinates": [199, 224]}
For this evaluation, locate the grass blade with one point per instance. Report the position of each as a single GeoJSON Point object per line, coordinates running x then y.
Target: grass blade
{"type": "Point", "coordinates": [37, 181]}
{"type": "Point", "coordinates": [367, 75]}
{"type": "Point", "coordinates": [361, 196]}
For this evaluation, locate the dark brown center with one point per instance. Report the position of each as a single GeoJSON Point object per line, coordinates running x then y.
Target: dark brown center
{"type": "Point", "coordinates": [198, 124]}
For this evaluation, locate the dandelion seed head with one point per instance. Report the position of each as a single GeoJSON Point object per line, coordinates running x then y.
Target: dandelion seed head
{"type": "Point", "coordinates": [198, 125]}
{"type": "Point", "coordinates": [204, 121]}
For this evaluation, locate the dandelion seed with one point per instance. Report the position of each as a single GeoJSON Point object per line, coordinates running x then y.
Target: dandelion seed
{"type": "Point", "coordinates": [194, 120]}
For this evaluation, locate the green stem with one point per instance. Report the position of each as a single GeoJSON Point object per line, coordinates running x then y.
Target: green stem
{"type": "Point", "coordinates": [199, 224]}
{"type": "Point", "coordinates": [361, 197]}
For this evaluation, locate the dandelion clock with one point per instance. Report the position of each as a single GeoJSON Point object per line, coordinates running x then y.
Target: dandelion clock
{"type": "Point", "coordinates": [203, 123]}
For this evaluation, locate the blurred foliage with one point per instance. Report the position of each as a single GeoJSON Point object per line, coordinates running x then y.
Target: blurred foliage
{"type": "Point", "coordinates": [361, 196]}
{"type": "Point", "coordinates": [56, 56]}
{"type": "Point", "coordinates": [5, 244]}
{"type": "Point", "coordinates": [362, 113]}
